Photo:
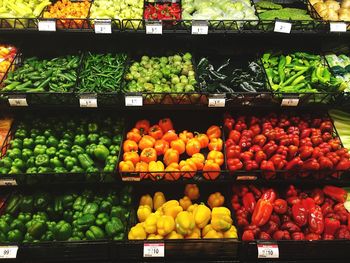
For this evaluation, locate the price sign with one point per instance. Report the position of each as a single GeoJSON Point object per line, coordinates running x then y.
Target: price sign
{"type": "Point", "coordinates": [247, 177]}
{"type": "Point", "coordinates": [216, 102]}
{"type": "Point", "coordinates": [8, 182]}
{"type": "Point", "coordinates": [153, 250]}
{"type": "Point", "coordinates": [337, 26]}
{"type": "Point", "coordinates": [199, 27]}
{"type": "Point", "coordinates": [290, 102]}
{"type": "Point", "coordinates": [268, 251]}
{"type": "Point", "coordinates": [283, 27]}
{"type": "Point", "coordinates": [133, 101]}
{"type": "Point", "coordinates": [47, 25]}
{"type": "Point", "coordinates": [88, 101]}
{"type": "Point", "coordinates": [103, 26]}
{"type": "Point", "coordinates": [8, 251]}
{"type": "Point", "coordinates": [154, 27]}
{"type": "Point", "coordinates": [131, 178]}
{"type": "Point", "coordinates": [16, 101]}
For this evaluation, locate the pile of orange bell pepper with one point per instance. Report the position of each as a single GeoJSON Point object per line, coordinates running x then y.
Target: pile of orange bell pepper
{"type": "Point", "coordinates": [7, 54]}
{"type": "Point", "coordinates": [159, 152]}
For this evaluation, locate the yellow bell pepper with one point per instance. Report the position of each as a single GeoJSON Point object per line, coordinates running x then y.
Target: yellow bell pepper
{"type": "Point", "coordinates": [213, 234]}
{"type": "Point", "coordinates": [159, 212]}
{"type": "Point", "coordinates": [158, 200]}
{"type": "Point", "coordinates": [192, 191]}
{"type": "Point", "coordinates": [185, 202]}
{"type": "Point", "coordinates": [184, 223]}
{"type": "Point", "coordinates": [172, 208]}
{"type": "Point", "coordinates": [231, 233]}
{"type": "Point", "coordinates": [137, 232]}
{"type": "Point", "coordinates": [143, 212]}
{"type": "Point", "coordinates": [174, 235]}
{"type": "Point", "coordinates": [146, 200]}
{"type": "Point", "coordinates": [156, 167]}
{"type": "Point", "coordinates": [216, 200]}
{"type": "Point", "coordinates": [165, 225]}
{"type": "Point", "coordinates": [196, 234]}
{"type": "Point", "coordinates": [150, 225]}
{"type": "Point", "coordinates": [206, 229]}
{"type": "Point", "coordinates": [191, 208]}
{"type": "Point", "coordinates": [221, 219]}
{"type": "Point", "coordinates": [153, 236]}
{"type": "Point", "coordinates": [201, 215]}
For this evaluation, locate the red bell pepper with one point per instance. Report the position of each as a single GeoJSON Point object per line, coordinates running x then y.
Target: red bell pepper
{"type": "Point", "coordinates": [256, 230]}
{"type": "Point", "coordinates": [298, 236]}
{"type": "Point", "coordinates": [306, 142]}
{"type": "Point", "coordinates": [291, 191]}
{"type": "Point", "coordinates": [300, 214]}
{"type": "Point", "coordinates": [343, 165]}
{"type": "Point", "coordinates": [240, 126]}
{"type": "Point", "coordinates": [318, 196]}
{"type": "Point", "coordinates": [283, 150]}
{"type": "Point", "coordinates": [281, 235]}
{"type": "Point", "coordinates": [292, 151]}
{"type": "Point", "coordinates": [245, 143]}
{"type": "Point", "coordinates": [342, 233]}
{"type": "Point", "coordinates": [336, 193]}
{"type": "Point", "coordinates": [326, 126]}
{"type": "Point", "coordinates": [251, 165]}
{"type": "Point", "coordinates": [343, 153]}
{"type": "Point", "coordinates": [235, 136]}
{"type": "Point", "coordinates": [326, 209]}
{"type": "Point", "coordinates": [293, 200]}
{"type": "Point", "coordinates": [249, 202]}
{"type": "Point", "coordinates": [264, 236]}
{"type": "Point", "coordinates": [291, 227]}
{"type": "Point", "coordinates": [333, 157]}
{"type": "Point", "coordinates": [234, 164]}
{"type": "Point", "coordinates": [235, 202]}
{"type": "Point", "coordinates": [326, 136]}
{"type": "Point", "coordinates": [312, 236]}
{"type": "Point", "coordinates": [335, 144]}
{"type": "Point", "coordinates": [248, 235]}
{"type": "Point", "coordinates": [316, 220]}
{"type": "Point", "coordinates": [228, 122]}
{"type": "Point", "coordinates": [279, 161]}
{"type": "Point", "coordinates": [280, 206]}
{"type": "Point", "coordinates": [270, 148]}
{"type": "Point", "coordinates": [268, 169]}
{"type": "Point", "coordinates": [317, 153]}
{"type": "Point", "coordinates": [257, 193]}
{"type": "Point", "coordinates": [311, 165]}
{"type": "Point", "coordinates": [308, 203]}
{"type": "Point", "coordinates": [331, 225]}
{"type": "Point", "coordinates": [233, 151]}
{"type": "Point", "coordinates": [275, 218]}
{"type": "Point", "coordinates": [305, 152]}
{"type": "Point", "coordinates": [262, 212]}
{"type": "Point", "coordinates": [293, 130]}
{"type": "Point", "coordinates": [325, 163]}
{"type": "Point", "coordinates": [255, 128]}
{"type": "Point", "coordinates": [270, 227]}
{"type": "Point", "coordinates": [295, 163]}
{"type": "Point", "coordinates": [305, 133]}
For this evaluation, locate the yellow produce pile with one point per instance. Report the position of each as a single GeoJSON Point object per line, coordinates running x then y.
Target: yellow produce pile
{"type": "Point", "coordinates": [179, 219]}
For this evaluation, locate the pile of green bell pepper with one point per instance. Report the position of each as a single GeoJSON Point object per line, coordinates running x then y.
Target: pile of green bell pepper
{"type": "Point", "coordinates": [70, 216]}
{"type": "Point", "coordinates": [55, 145]}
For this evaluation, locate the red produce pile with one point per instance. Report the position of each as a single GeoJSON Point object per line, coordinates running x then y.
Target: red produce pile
{"type": "Point", "coordinates": [291, 214]}
{"type": "Point", "coordinates": [162, 11]}
{"type": "Point", "coordinates": [284, 142]}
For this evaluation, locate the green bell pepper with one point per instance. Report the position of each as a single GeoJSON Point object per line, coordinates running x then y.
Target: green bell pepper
{"type": "Point", "coordinates": [85, 161]}
{"type": "Point", "coordinates": [120, 212]}
{"type": "Point", "coordinates": [84, 222]}
{"type": "Point", "coordinates": [125, 195]}
{"type": "Point", "coordinates": [42, 160]}
{"type": "Point", "coordinates": [51, 225]}
{"type": "Point", "coordinates": [90, 149]}
{"type": "Point", "coordinates": [80, 139]}
{"type": "Point", "coordinates": [40, 139]}
{"type": "Point", "coordinates": [41, 201]}
{"type": "Point", "coordinates": [90, 208]}
{"type": "Point", "coordinates": [30, 162]}
{"type": "Point", "coordinates": [113, 198]}
{"type": "Point", "coordinates": [39, 149]}
{"type": "Point", "coordinates": [14, 170]}
{"type": "Point", "coordinates": [18, 163]}
{"type": "Point", "coordinates": [104, 140]}
{"type": "Point", "coordinates": [92, 127]}
{"type": "Point", "coordinates": [68, 200]}
{"type": "Point", "coordinates": [114, 150]}
{"type": "Point", "coordinates": [4, 226]}
{"type": "Point", "coordinates": [44, 170]}
{"type": "Point", "coordinates": [28, 143]}
{"type": "Point", "coordinates": [64, 144]}
{"type": "Point", "coordinates": [79, 203]}
{"type": "Point", "coordinates": [77, 214]}
{"type": "Point", "coordinates": [21, 133]}
{"type": "Point", "coordinates": [101, 152]}
{"type": "Point", "coordinates": [15, 236]}
{"type": "Point", "coordinates": [114, 227]}
{"type": "Point", "coordinates": [52, 141]}
{"type": "Point", "coordinates": [62, 154]}
{"type": "Point", "coordinates": [94, 233]}
{"type": "Point", "coordinates": [105, 206]}
{"type": "Point", "coordinates": [7, 218]}
{"type": "Point", "coordinates": [41, 216]}
{"type": "Point", "coordinates": [13, 204]}
{"type": "Point", "coordinates": [4, 170]}
{"type": "Point", "coordinates": [16, 143]}
{"type": "Point", "coordinates": [60, 170]}
{"type": "Point", "coordinates": [18, 224]}
{"type": "Point", "coordinates": [14, 153]}
{"type": "Point", "coordinates": [102, 219]}
{"type": "Point", "coordinates": [63, 231]}
{"type": "Point", "coordinates": [48, 236]}
{"type": "Point", "coordinates": [28, 238]}
{"type": "Point", "coordinates": [117, 139]}
{"type": "Point", "coordinates": [78, 234]}
{"type": "Point", "coordinates": [26, 154]}
{"type": "Point", "coordinates": [93, 138]}
{"type": "Point", "coordinates": [32, 170]}
{"type": "Point", "coordinates": [68, 216]}
{"type": "Point", "coordinates": [33, 133]}
{"type": "Point", "coordinates": [24, 217]}
{"type": "Point", "coordinates": [27, 204]}
{"type": "Point", "coordinates": [77, 150]}
{"type": "Point", "coordinates": [109, 168]}
{"type": "Point", "coordinates": [6, 162]}
{"type": "Point", "coordinates": [77, 169]}
{"type": "Point", "coordinates": [58, 206]}
{"type": "Point", "coordinates": [3, 237]}
{"type": "Point", "coordinates": [68, 135]}
{"type": "Point", "coordinates": [48, 133]}
{"type": "Point", "coordinates": [70, 161]}
{"type": "Point", "coordinates": [36, 228]}
{"type": "Point", "coordinates": [51, 151]}
{"type": "Point", "coordinates": [55, 162]}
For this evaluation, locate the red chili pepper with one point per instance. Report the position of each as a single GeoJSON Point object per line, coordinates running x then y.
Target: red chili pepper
{"type": "Point", "coordinates": [262, 212]}
{"type": "Point", "coordinates": [300, 214]}
{"type": "Point", "coordinates": [280, 206]}
{"type": "Point", "coordinates": [331, 225]}
{"type": "Point", "coordinates": [249, 202]}
{"type": "Point", "coordinates": [336, 193]}
{"type": "Point", "coordinates": [234, 164]}
{"type": "Point", "coordinates": [315, 220]}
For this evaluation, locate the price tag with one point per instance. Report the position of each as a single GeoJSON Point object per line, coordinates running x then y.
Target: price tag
{"type": "Point", "coordinates": [268, 251]}
{"type": "Point", "coordinates": [103, 26]}
{"type": "Point", "coordinates": [47, 25]}
{"type": "Point", "coordinates": [18, 101]}
{"type": "Point", "coordinates": [131, 178]}
{"type": "Point", "coordinates": [247, 177]}
{"type": "Point", "coordinates": [133, 101]}
{"type": "Point", "coordinates": [283, 27]}
{"type": "Point", "coordinates": [88, 101]}
{"type": "Point", "coordinates": [216, 100]}
{"type": "Point", "coordinates": [153, 250]}
{"type": "Point", "coordinates": [8, 251]}
{"type": "Point", "coordinates": [154, 27]}
{"type": "Point", "coordinates": [337, 27]}
{"type": "Point", "coordinates": [291, 102]}
{"type": "Point", "coordinates": [199, 27]}
{"type": "Point", "coordinates": [8, 182]}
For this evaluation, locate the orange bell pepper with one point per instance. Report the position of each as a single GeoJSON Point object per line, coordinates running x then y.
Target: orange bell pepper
{"type": "Point", "coordinates": [203, 139]}
{"type": "Point", "coordinates": [142, 126]}
{"type": "Point", "coordinates": [131, 156]}
{"type": "Point", "coordinates": [215, 144]}
{"type": "Point", "coordinates": [188, 168]}
{"type": "Point", "coordinates": [161, 146]}
{"type": "Point", "coordinates": [173, 172]}
{"type": "Point", "coordinates": [142, 167]}
{"type": "Point", "coordinates": [216, 200]}
{"type": "Point", "coordinates": [211, 170]}
{"type": "Point", "coordinates": [134, 135]}
{"type": "Point", "coordinates": [130, 146]}
{"type": "Point", "coordinates": [185, 136]}
{"type": "Point", "coordinates": [156, 132]}
{"type": "Point", "coordinates": [216, 156]}
{"type": "Point", "coordinates": [199, 160]}
{"type": "Point", "coordinates": [148, 155]}
{"type": "Point", "coordinates": [192, 191]}
{"type": "Point", "coordinates": [193, 146]}
{"type": "Point", "coordinates": [185, 202]}
{"type": "Point", "coordinates": [214, 132]}
{"type": "Point", "coordinates": [178, 145]}
{"type": "Point", "coordinates": [170, 136]}
{"type": "Point", "coordinates": [156, 169]}
{"type": "Point", "coordinates": [126, 166]}
{"type": "Point", "coordinates": [146, 142]}
{"type": "Point", "coordinates": [166, 124]}
{"type": "Point", "coordinates": [171, 156]}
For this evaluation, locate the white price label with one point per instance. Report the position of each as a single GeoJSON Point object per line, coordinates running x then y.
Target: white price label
{"type": "Point", "coordinates": [88, 102]}
{"type": "Point", "coordinates": [268, 251]}
{"type": "Point", "coordinates": [46, 25]}
{"type": "Point", "coordinates": [152, 250]}
{"type": "Point", "coordinates": [8, 251]}
{"type": "Point", "coordinates": [247, 177]}
{"type": "Point", "coordinates": [133, 101]}
{"type": "Point", "coordinates": [103, 27]}
{"type": "Point", "coordinates": [8, 182]}
{"type": "Point", "coordinates": [154, 28]}
{"type": "Point", "coordinates": [338, 26]}
{"type": "Point", "coordinates": [199, 28]}
{"type": "Point", "coordinates": [131, 178]}
{"type": "Point", "coordinates": [290, 102]}
{"type": "Point", "coordinates": [18, 102]}
{"type": "Point", "coordinates": [216, 102]}
{"type": "Point", "coordinates": [283, 27]}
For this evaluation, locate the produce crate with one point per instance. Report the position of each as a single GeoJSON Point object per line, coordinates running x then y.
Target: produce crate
{"type": "Point", "coordinates": [208, 249]}
{"type": "Point", "coordinates": [28, 24]}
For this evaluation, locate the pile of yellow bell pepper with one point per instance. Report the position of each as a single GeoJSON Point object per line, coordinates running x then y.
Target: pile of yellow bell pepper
{"type": "Point", "coordinates": [161, 219]}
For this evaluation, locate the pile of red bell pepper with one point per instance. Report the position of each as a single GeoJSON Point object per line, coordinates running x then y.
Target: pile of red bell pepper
{"type": "Point", "coordinates": [291, 214]}
{"type": "Point", "coordinates": [166, 11]}
{"type": "Point", "coordinates": [284, 142]}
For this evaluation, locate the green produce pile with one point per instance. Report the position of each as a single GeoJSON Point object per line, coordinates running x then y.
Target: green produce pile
{"type": "Point", "coordinates": [22, 8]}
{"type": "Point", "coordinates": [58, 145]}
{"type": "Point", "coordinates": [267, 10]}
{"type": "Point", "coordinates": [226, 77]}
{"type": "Point", "coordinates": [40, 75]}
{"type": "Point", "coordinates": [299, 73]}
{"type": "Point", "coordinates": [102, 73]}
{"type": "Point", "coordinates": [341, 120]}
{"type": "Point", "coordinates": [162, 74]}
{"type": "Point", "coordinates": [340, 66]}
{"type": "Point", "coordinates": [70, 216]}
